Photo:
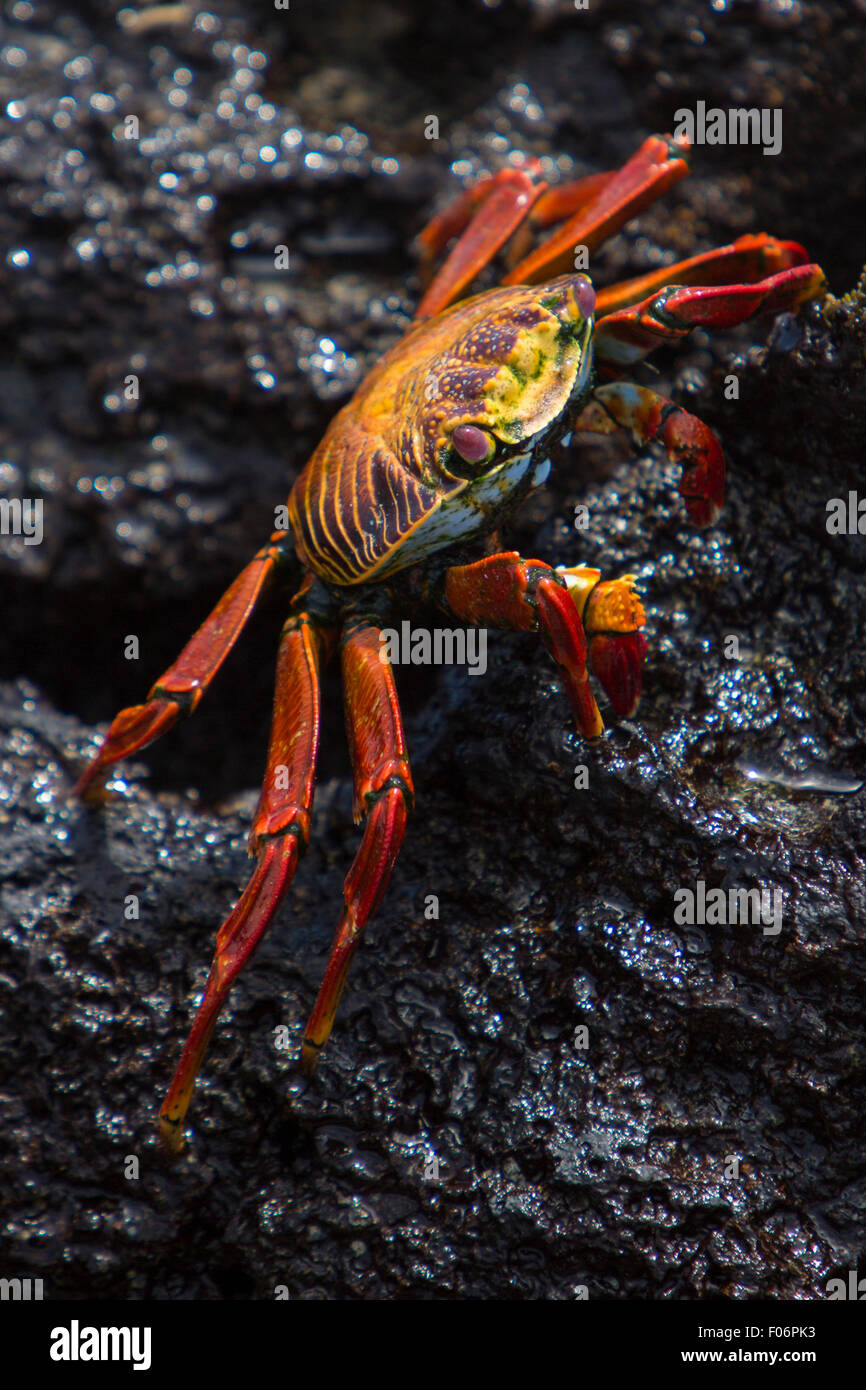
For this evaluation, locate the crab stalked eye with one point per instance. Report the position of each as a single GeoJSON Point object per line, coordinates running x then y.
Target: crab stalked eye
{"type": "Point", "coordinates": [473, 444]}
{"type": "Point", "coordinates": [585, 296]}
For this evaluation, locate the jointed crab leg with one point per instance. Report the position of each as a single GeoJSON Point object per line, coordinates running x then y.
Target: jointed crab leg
{"type": "Point", "coordinates": [552, 205]}
{"type": "Point", "coordinates": [507, 591]}
{"type": "Point", "coordinates": [383, 797]}
{"type": "Point", "coordinates": [178, 691]}
{"type": "Point", "coordinates": [278, 837]}
{"type": "Point", "coordinates": [624, 337]}
{"type": "Point", "coordinates": [689, 442]}
{"type": "Point", "coordinates": [456, 217]}
{"type": "Point", "coordinates": [555, 204]}
{"type": "Point", "coordinates": [596, 207]}
{"type": "Point", "coordinates": [749, 258]}
{"type": "Point", "coordinates": [565, 199]}
{"type": "Point", "coordinates": [506, 200]}
{"type": "Point", "coordinates": [652, 169]}
{"type": "Point", "coordinates": [628, 334]}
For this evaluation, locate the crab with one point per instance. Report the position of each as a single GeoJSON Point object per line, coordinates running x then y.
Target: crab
{"type": "Point", "coordinates": [405, 494]}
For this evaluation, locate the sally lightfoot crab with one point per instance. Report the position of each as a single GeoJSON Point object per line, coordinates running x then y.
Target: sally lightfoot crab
{"type": "Point", "coordinates": [447, 434]}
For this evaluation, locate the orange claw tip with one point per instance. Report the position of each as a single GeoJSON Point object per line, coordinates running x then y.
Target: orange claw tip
{"type": "Point", "coordinates": [617, 661]}
{"type": "Point", "coordinates": [613, 606]}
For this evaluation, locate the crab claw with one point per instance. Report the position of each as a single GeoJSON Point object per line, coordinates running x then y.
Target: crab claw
{"type": "Point", "coordinates": [702, 485]}
{"type": "Point", "coordinates": [612, 617]}
{"type": "Point", "coordinates": [617, 660]}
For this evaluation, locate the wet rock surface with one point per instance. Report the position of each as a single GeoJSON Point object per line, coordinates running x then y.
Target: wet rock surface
{"type": "Point", "coordinates": [462, 1137]}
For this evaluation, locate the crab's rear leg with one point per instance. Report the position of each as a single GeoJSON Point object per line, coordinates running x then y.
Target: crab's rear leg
{"type": "Point", "coordinates": [383, 798]}
{"type": "Point", "coordinates": [278, 837]}
{"type": "Point", "coordinates": [516, 201]}
{"type": "Point", "coordinates": [552, 205]}
{"type": "Point", "coordinates": [456, 216]}
{"type": "Point", "coordinates": [652, 169]}
{"type": "Point", "coordinates": [497, 208]}
{"type": "Point", "coordinates": [583, 620]}
{"type": "Point", "coordinates": [179, 691]}
{"type": "Point", "coordinates": [506, 208]}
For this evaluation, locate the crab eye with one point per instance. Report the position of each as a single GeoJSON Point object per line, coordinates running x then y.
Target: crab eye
{"type": "Point", "coordinates": [585, 296]}
{"type": "Point", "coordinates": [473, 444]}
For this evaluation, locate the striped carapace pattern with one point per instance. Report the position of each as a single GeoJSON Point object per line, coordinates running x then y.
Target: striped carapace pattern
{"type": "Point", "coordinates": [507, 360]}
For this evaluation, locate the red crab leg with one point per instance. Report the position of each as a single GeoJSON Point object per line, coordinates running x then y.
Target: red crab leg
{"type": "Point", "coordinates": [510, 592]}
{"type": "Point", "coordinates": [554, 205]}
{"type": "Point", "coordinates": [457, 215]}
{"type": "Point", "coordinates": [506, 221]}
{"type": "Point", "coordinates": [689, 442]}
{"type": "Point", "coordinates": [383, 797]}
{"type": "Point", "coordinates": [178, 691]}
{"type": "Point", "coordinates": [657, 165]}
{"type": "Point", "coordinates": [279, 835]}
{"type": "Point", "coordinates": [623, 337]}
{"type": "Point", "coordinates": [565, 199]}
{"type": "Point", "coordinates": [503, 207]}
{"type": "Point", "coordinates": [598, 206]}
{"type": "Point", "coordinates": [749, 258]}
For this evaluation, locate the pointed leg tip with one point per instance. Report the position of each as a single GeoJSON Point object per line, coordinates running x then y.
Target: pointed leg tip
{"type": "Point", "coordinates": [90, 789]}
{"type": "Point", "coordinates": [85, 791]}
{"type": "Point", "coordinates": [90, 785]}
{"type": "Point", "coordinates": [310, 1051]}
{"type": "Point", "coordinates": [593, 729]}
{"type": "Point", "coordinates": [171, 1134]}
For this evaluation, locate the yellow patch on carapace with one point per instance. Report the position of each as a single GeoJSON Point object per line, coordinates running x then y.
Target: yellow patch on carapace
{"type": "Point", "coordinates": [539, 373]}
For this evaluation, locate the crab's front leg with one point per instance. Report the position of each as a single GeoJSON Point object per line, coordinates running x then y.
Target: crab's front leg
{"type": "Point", "coordinates": [689, 442]}
{"type": "Point", "coordinates": [583, 620]}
